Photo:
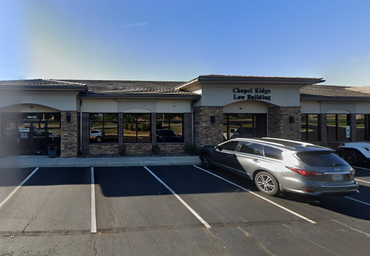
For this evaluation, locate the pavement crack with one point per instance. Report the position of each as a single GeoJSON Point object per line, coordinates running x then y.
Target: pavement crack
{"type": "Point", "coordinates": [115, 218]}
{"type": "Point", "coordinates": [95, 250]}
{"type": "Point", "coordinates": [257, 242]}
{"type": "Point", "coordinates": [24, 229]}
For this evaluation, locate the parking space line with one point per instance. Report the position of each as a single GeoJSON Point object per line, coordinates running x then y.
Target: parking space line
{"type": "Point", "coordinates": [180, 199]}
{"type": "Point", "coordinates": [364, 181]}
{"type": "Point", "coordinates": [358, 201]}
{"type": "Point", "coordinates": [93, 209]}
{"type": "Point", "coordinates": [261, 197]}
{"type": "Point", "coordinates": [19, 186]}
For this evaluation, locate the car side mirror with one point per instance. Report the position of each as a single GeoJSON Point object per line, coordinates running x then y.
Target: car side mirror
{"type": "Point", "coordinates": [219, 148]}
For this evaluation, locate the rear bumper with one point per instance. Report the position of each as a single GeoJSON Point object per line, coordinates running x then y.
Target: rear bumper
{"type": "Point", "coordinates": [326, 190]}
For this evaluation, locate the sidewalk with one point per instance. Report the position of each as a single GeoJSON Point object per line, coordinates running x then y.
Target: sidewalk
{"type": "Point", "coordinates": [45, 161]}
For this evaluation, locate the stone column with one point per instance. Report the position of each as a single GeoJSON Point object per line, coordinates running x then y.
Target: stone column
{"type": "Point", "coordinates": [284, 122]}
{"type": "Point", "coordinates": [323, 131]}
{"type": "Point", "coordinates": [69, 138]}
{"type": "Point", "coordinates": [206, 132]}
{"type": "Point", "coordinates": [85, 133]}
{"type": "Point", "coordinates": [188, 131]}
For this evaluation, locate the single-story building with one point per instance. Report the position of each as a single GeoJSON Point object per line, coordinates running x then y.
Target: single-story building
{"type": "Point", "coordinates": [94, 117]}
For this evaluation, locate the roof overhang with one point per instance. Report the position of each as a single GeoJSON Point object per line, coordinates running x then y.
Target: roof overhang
{"type": "Point", "coordinates": [299, 81]}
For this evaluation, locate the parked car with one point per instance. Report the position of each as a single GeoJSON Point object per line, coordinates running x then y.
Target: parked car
{"type": "Point", "coordinates": [96, 135]}
{"type": "Point", "coordinates": [164, 135]}
{"type": "Point", "coordinates": [355, 152]}
{"type": "Point", "coordinates": [278, 165]}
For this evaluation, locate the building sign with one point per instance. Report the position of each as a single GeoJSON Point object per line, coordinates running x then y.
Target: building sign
{"type": "Point", "coordinates": [252, 94]}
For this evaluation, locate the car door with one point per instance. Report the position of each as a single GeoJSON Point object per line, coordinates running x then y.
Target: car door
{"type": "Point", "coordinates": [224, 155]}
{"type": "Point", "coordinates": [249, 157]}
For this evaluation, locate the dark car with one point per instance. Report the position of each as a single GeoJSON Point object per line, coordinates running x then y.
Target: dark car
{"type": "Point", "coordinates": [278, 165]}
{"type": "Point", "coordinates": [164, 135]}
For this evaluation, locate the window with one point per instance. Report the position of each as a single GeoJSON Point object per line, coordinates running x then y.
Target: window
{"type": "Point", "coordinates": [273, 153]}
{"type": "Point", "coordinates": [251, 148]}
{"type": "Point", "coordinates": [310, 127]}
{"type": "Point", "coordinates": [169, 128]}
{"type": "Point", "coordinates": [103, 128]}
{"type": "Point", "coordinates": [136, 128]}
{"type": "Point", "coordinates": [244, 125]}
{"type": "Point", "coordinates": [336, 127]}
{"type": "Point", "coordinates": [231, 145]}
{"type": "Point", "coordinates": [362, 127]}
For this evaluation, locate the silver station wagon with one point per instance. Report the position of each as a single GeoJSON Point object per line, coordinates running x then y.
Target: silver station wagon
{"type": "Point", "coordinates": [278, 165]}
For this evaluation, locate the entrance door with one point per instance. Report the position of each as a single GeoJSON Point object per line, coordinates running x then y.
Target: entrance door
{"type": "Point", "coordinates": [32, 138]}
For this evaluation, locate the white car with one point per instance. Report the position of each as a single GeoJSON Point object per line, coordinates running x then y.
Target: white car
{"type": "Point", "coordinates": [96, 135]}
{"type": "Point", "coordinates": [355, 152]}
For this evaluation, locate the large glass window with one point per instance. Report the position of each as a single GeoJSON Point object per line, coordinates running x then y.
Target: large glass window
{"type": "Point", "coordinates": [244, 125]}
{"type": "Point", "coordinates": [136, 128]}
{"type": "Point", "coordinates": [362, 127]}
{"type": "Point", "coordinates": [310, 127]}
{"type": "Point", "coordinates": [336, 126]}
{"type": "Point", "coordinates": [103, 128]}
{"type": "Point", "coordinates": [170, 128]}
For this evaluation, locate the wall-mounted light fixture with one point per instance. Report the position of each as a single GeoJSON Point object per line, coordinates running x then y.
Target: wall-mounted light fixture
{"type": "Point", "coordinates": [213, 119]}
{"type": "Point", "coordinates": [291, 119]}
{"type": "Point", "coordinates": [68, 117]}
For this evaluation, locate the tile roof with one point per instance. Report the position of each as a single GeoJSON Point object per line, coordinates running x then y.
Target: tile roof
{"type": "Point", "coordinates": [40, 84]}
{"type": "Point", "coordinates": [334, 92]}
{"type": "Point", "coordinates": [127, 88]}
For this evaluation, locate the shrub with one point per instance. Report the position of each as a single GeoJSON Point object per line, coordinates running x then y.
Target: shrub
{"type": "Point", "coordinates": [191, 150]}
{"type": "Point", "coordinates": [156, 150]}
{"type": "Point", "coordinates": [122, 150]}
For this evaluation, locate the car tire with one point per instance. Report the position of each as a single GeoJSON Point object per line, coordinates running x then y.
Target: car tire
{"type": "Point", "coordinates": [266, 183]}
{"type": "Point", "coordinates": [352, 156]}
{"type": "Point", "coordinates": [206, 160]}
{"type": "Point", "coordinates": [98, 139]}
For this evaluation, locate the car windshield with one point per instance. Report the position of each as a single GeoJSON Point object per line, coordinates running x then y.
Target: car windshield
{"type": "Point", "coordinates": [321, 158]}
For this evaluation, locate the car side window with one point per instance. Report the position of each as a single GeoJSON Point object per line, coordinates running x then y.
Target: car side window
{"type": "Point", "coordinates": [273, 153]}
{"type": "Point", "coordinates": [231, 145]}
{"type": "Point", "coordinates": [251, 148]}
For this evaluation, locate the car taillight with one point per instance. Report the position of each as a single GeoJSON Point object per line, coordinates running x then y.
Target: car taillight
{"type": "Point", "coordinates": [304, 172]}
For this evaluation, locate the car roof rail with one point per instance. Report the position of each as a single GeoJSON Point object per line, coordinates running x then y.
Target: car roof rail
{"type": "Point", "coordinates": [298, 143]}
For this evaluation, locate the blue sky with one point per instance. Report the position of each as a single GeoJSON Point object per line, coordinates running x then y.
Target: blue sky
{"type": "Point", "coordinates": [171, 40]}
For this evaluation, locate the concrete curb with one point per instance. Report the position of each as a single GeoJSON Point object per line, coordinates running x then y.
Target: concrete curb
{"type": "Point", "coordinates": [45, 161]}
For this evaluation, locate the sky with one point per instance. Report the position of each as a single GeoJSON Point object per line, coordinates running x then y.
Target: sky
{"type": "Point", "coordinates": [175, 40]}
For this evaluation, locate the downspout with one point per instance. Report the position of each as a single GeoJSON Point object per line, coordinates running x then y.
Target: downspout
{"type": "Point", "coordinates": [80, 126]}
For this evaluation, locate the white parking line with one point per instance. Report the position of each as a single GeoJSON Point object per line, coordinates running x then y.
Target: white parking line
{"type": "Point", "coordinates": [358, 201]}
{"type": "Point", "coordinates": [16, 189]}
{"type": "Point", "coordinates": [93, 210]}
{"type": "Point", "coordinates": [261, 197]}
{"type": "Point", "coordinates": [364, 181]}
{"type": "Point", "coordinates": [180, 199]}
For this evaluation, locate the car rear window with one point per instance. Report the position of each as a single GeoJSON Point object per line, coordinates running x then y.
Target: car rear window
{"type": "Point", "coordinates": [321, 158]}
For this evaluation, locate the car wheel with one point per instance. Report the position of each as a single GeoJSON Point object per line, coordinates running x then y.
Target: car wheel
{"type": "Point", "coordinates": [352, 156]}
{"type": "Point", "coordinates": [98, 139]}
{"type": "Point", "coordinates": [267, 183]}
{"type": "Point", "coordinates": [206, 161]}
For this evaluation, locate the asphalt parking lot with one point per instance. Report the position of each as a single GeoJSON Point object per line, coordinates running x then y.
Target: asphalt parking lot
{"type": "Point", "coordinates": [171, 210]}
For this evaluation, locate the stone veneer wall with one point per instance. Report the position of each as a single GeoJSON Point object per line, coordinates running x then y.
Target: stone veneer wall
{"type": "Point", "coordinates": [207, 133]}
{"type": "Point", "coordinates": [279, 125]}
{"type": "Point", "coordinates": [69, 138]}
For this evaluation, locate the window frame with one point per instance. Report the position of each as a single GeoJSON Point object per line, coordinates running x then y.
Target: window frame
{"type": "Point", "coordinates": [169, 121]}
{"type": "Point", "coordinates": [103, 129]}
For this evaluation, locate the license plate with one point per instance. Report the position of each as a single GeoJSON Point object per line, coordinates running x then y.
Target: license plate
{"type": "Point", "coordinates": [337, 177]}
